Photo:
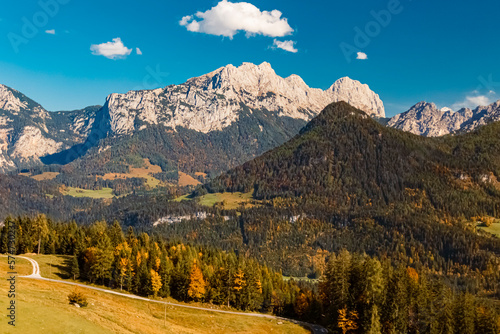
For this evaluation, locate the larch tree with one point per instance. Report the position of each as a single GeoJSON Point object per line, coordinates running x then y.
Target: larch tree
{"type": "Point", "coordinates": [41, 227]}
{"type": "Point", "coordinates": [347, 322]}
{"type": "Point", "coordinates": [197, 284]}
{"type": "Point", "coordinates": [155, 282]}
{"type": "Point", "coordinates": [239, 283]}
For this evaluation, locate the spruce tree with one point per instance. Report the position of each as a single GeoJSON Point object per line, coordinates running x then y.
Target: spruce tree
{"type": "Point", "coordinates": [75, 268]}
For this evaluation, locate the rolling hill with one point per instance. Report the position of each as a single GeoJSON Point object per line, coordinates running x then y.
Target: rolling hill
{"type": "Point", "coordinates": [351, 163]}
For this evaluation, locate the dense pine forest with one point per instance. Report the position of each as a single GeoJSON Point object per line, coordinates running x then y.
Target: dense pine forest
{"type": "Point", "coordinates": [356, 293]}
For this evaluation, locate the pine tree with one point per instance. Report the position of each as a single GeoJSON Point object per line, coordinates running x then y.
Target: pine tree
{"type": "Point", "coordinates": [75, 268]}
{"type": "Point", "coordinates": [165, 272]}
{"type": "Point", "coordinates": [445, 310]}
{"type": "Point", "coordinates": [103, 262]}
{"type": "Point", "coordinates": [115, 234]}
{"type": "Point", "coordinates": [464, 314]}
{"type": "Point", "coordinates": [374, 326]}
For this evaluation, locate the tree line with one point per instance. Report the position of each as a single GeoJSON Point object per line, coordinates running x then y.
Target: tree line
{"type": "Point", "coordinates": [356, 293]}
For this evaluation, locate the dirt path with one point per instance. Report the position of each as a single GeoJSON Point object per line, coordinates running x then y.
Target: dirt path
{"type": "Point", "coordinates": [315, 329]}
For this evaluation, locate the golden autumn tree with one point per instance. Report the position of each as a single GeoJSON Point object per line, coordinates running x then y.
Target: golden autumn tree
{"type": "Point", "coordinates": [412, 274]}
{"type": "Point", "coordinates": [123, 253]}
{"type": "Point", "coordinates": [347, 322]}
{"type": "Point", "coordinates": [155, 282]}
{"type": "Point", "coordinates": [239, 282]}
{"type": "Point", "coordinates": [301, 304]}
{"type": "Point", "coordinates": [124, 262]}
{"type": "Point", "coordinates": [196, 283]}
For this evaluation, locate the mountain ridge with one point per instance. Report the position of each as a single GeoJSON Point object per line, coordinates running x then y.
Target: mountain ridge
{"type": "Point", "coordinates": [212, 101]}
{"type": "Point", "coordinates": [244, 101]}
{"type": "Point", "coordinates": [428, 120]}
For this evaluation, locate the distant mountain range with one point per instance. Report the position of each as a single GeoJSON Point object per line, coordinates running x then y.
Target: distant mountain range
{"type": "Point", "coordinates": [427, 120]}
{"type": "Point", "coordinates": [209, 123]}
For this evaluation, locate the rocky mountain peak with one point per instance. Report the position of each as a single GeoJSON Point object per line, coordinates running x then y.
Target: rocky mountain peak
{"type": "Point", "coordinates": [427, 120]}
{"type": "Point", "coordinates": [358, 95]}
{"type": "Point", "coordinates": [424, 106]}
{"type": "Point", "coordinates": [11, 99]}
{"type": "Point", "coordinates": [481, 116]}
{"type": "Point", "coordinates": [214, 101]}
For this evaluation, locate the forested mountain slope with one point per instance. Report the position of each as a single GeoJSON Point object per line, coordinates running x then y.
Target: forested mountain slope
{"type": "Point", "coordinates": [349, 162]}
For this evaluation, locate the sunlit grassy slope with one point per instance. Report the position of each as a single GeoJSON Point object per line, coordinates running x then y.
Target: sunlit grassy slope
{"type": "Point", "coordinates": [229, 200]}
{"type": "Point", "coordinates": [42, 307]}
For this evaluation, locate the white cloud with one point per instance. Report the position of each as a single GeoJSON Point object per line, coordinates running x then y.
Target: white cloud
{"type": "Point", "coordinates": [228, 18]}
{"type": "Point", "coordinates": [285, 45]}
{"type": "Point", "coordinates": [111, 50]}
{"type": "Point", "coordinates": [138, 51]}
{"type": "Point", "coordinates": [362, 56]}
{"type": "Point", "coordinates": [185, 20]}
{"type": "Point", "coordinates": [50, 32]}
{"type": "Point", "coordinates": [472, 102]}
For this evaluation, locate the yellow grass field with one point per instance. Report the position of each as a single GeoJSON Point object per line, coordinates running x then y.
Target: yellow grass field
{"type": "Point", "coordinates": [187, 180]}
{"type": "Point", "coordinates": [78, 192]}
{"type": "Point", "coordinates": [41, 177]}
{"type": "Point", "coordinates": [145, 172]}
{"type": "Point", "coordinates": [45, 176]}
{"type": "Point", "coordinates": [42, 307]}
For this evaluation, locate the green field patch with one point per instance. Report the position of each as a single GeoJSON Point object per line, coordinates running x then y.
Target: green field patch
{"type": "Point", "coordinates": [182, 198]}
{"type": "Point", "coordinates": [79, 192]}
{"type": "Point", "coordinates": [304, 279]}
{"type": "Point", "coordinates": [227, 200]}
{"type": "Point", "coordinates": [493, 229]}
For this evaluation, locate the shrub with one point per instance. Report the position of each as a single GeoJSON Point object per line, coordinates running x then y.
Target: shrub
{"type": "Point", "coordinates": [77, 298]}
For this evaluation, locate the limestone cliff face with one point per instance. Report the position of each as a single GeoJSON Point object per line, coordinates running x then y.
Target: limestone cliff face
{"type": "Point", "coordinates": [32, 144]}
{"type": "Point", "coordinates": [427, 120]}
{"type": "Point", "coordinates": [212, 102]}
{"type": "Point", "coordinates": [28, 131]}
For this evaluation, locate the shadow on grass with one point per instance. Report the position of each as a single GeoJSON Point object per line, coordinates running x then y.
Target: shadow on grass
{"type": "Point", "coordinates": [63, 270]}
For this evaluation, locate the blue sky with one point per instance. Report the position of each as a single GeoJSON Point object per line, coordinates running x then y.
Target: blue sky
{"type": "Point", "coordinates": [445, 52]}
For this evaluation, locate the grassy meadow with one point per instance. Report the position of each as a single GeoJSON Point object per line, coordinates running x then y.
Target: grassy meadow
{"type": "Point", "coordinates": [229, 200]}
{"type": "Point", "coordinates": [42, 307]}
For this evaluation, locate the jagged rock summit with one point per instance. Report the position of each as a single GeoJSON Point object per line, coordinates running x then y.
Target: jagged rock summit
{"type": "Point", "coordinates": [212, 101]}
{"type": "Point", "coordinates": [427, 120]}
